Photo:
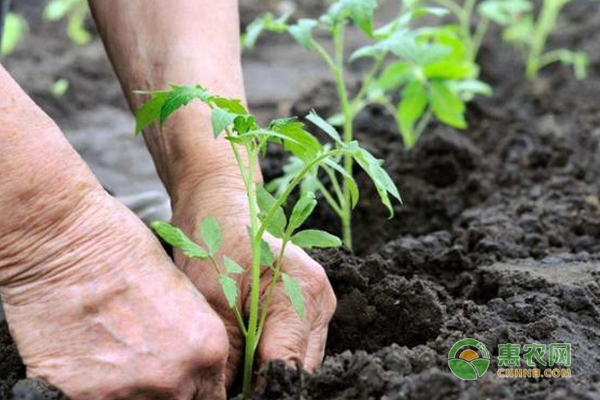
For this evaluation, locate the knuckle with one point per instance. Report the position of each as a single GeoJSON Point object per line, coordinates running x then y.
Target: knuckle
{"type": "Point", "coordinates": [316, 281]}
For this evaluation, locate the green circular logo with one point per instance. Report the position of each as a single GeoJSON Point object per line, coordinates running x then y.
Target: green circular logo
{"type": "Point", "coordinates": [468, 364]}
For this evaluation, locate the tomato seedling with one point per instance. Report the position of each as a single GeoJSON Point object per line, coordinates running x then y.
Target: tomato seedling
{"type": "Point", "coordinates": [530, 34]}
{"type": "Point", "coordinates": [231, 119]}
{"type": "Point", "coordinates": [431, 72]}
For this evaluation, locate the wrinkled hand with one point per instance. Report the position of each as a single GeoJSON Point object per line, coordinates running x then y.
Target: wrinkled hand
{"type": "Point", "coordinates": [285, 336]}
{"type": "Point", "coordinates": [110, 316]}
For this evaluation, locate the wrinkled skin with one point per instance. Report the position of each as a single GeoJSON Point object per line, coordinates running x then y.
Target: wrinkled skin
{"type": "Point", "coordinates": [111, 317]}
{"type": "Point", "coordinates": [285, 335]}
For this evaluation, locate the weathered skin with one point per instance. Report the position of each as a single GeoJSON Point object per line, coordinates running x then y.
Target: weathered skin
{"type": "Point", "coordinates": [94, 304]}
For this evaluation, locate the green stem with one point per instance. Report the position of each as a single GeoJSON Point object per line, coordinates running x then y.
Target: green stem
{"type": "Point", "coordinates": [348, 112]}
{"type": "Point", "coordinates": [545, 24]}
{"type": "Point", "coordinates": [251, 338]}
{"type": "Point", "coordinates": [335, 184]}
{"type": "Point", "coordinates": [271, 289]}
{"type": "Point", "coordinates": [480, 33]}
{"type": "Point", "coordinates": [330, 200]}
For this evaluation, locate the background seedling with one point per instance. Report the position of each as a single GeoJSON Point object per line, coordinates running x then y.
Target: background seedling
{"type": "Point", "coordinates": [530, 35]}
{"type": "Point", "coordinates": [231, 119]}
{"type": "Point", "coordinates": [75, 11]}
{"type": "Point", "coordinates": [432, 72]}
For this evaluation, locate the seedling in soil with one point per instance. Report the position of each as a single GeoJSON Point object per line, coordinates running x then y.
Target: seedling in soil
{"type": "Point", "coordinates": [231, 119]}
{"type": "Point", "coordinates": [431, 71]}
{"type": "Point", "coordinates": [530, 36]}
{"type": "Point", "coordinates": [75, 11]}
{"type": "Point", "coordinates": [520, 27]}
{"type": "Point", "coordinates": [15, 27]}
{"type": "Point", "coordinates": [502, 12]}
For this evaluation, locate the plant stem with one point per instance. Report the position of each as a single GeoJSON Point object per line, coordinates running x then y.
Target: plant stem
{"type": "Point", "coordinates": [545, 24]}
{"type": "Point", "coordinates": [271, 289]}
{"type": "Point", "coordinates": [348, 112]}
{"type": "Point", "coordinates": [251, 337]}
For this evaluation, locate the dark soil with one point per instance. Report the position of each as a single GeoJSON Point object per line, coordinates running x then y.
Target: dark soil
{"type": "Point", "coordinates": [498, 240]}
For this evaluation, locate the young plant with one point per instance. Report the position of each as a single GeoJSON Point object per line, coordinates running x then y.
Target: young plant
{"type": "Point", "coordinates": [231, 119]}
{"type": "Point", "coordinates": [530, 36]}
{"type": "Point", "coordinates": [75, 11]}
{"type": "Point", "coordinates": [431, 72]}
{"type": "Point", "coordinates": [502, 12]}
{"type": "Point", "coordinates": [15, 27]}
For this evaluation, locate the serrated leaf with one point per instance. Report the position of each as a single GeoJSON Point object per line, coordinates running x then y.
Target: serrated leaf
{"type": "Point", "coordinates": [181, 96]}
{"type": "Point", "coordinates": [361, 13]}
{"type": "Point", "coordinates": [234, 106]}
{"type": "Point", "coordinates": [294, 292]}
{"type": "Point", "coordinates": [302, 32]}
{"type": "Point", "coordinates": [265, 202]}
{"type": "Point", "coordinates": [412, 106]}
{"type": "Point", "coordinates": [504, 12]}
{"type": "Point", "coordinates": [383, 183]}
{"type": "Point", "coordinates": [447, 106]}
{"type": "Point", "coordinates": [220, 119]}
{"type": "Point", "coordinates": [252, 33]}
{"type": "Point", "coordinates": [311, 238]}
{"type": "Point", "coordinates": [230, 289]}
{"type": "Point", "coordinates": [324, 126]}
{"type": "Point", "coordinates": [302, 210]}
{"type": "Point", "coordinates": [231, 266]}
{"type": "Point", "coordinates": [149, 111]}
{"type": "Point", "coordinates": [451, 69]}
{"type": "Point", "coordinates": [179, 240]}
{"type": "Point", "coordinates": [302, 144]}
{"type": "Point", "coordinates": [266, 255]}
{"type": "Point", "coordinates": [211, 234]}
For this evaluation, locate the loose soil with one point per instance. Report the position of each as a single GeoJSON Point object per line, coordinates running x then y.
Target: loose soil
{"type": "Point", "coordinates": [498, 240]}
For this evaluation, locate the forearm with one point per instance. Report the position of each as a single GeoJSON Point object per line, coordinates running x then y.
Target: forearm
{"type": "Point", "coordinates": [153, 43]}
{"type": "Point", "coordinates": [42, 180]}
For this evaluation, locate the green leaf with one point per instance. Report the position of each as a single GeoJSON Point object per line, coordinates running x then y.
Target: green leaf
{"type": "Point", "coordinates": [383, 183]}
{"type": "Point", "coordinates": [302, 210]}
{"type": "Point", "coordinates": [314, 238]}
{"type": "Point", "coordinates": [266, 255]}
{"type": "Point", "coordinates": [447, 106]}
{"type": "Point", "coordinates": [412, 106]}
{"type": "Point", "coordinates": [252, 33]}
{"type": "Point", "coordinates": [149, 111]}
{"type": "Point", "coordinates": [220, 119]}
{"type": "Point", "coordinates": [395, 75]}
{"type": "Point", "coordinates": [181, 96]}
{"type": "Point", "coordinates": [302, 144]}
{"type": "Point", "coordinates": [232, 267]}
{"type": "Point", "coordinates": [230, 289]}
{"type": "Point", "coordinates": [302, 32]}
{"type": "Point", "coordinates": [468, 88]}
{"type": "Point", "coordinates": [451, 69]}
{"type": "Point", "coordinates": [176, 238]}
{"type": "Point", "coordinates": [361, 13]}
{"type": "Point", "coordinates": [15, 27]}
{"type": "Point", "coordinates": [234, 106]}
{"type": "Point", "coordinates": [324, 126]}
{"type": "Point", "coordinates": [294, 292]}
{"type": "Point", "coordinates": [266, 201]}
{"type": "Point", "coordinates": [504, 12]}
{"type": "Point", "coordinates": [211, 234]}
{"type": "Point", "coordinates": [60, 87]}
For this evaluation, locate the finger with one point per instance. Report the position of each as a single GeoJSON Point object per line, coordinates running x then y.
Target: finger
{"type": "Point", "coordinates": [316, 348]}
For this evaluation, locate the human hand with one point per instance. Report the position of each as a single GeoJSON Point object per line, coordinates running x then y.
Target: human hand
{"type": "Point", "coordinates": [285, 336]}
{"type": "Point", "coordinates": [97, 308]}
